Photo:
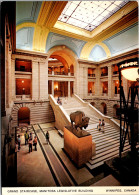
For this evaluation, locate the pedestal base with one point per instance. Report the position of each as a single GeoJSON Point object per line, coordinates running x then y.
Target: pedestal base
{"type": "Point", "coordinates": [78, 145]}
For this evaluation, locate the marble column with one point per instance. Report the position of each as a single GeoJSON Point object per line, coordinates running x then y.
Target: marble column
{"type": "Point", "coordinates": [53, 88]}
{"type": "Point", "coordinates": [98, 89]}
{"type": "Point", "coordinates": [68, 88]}
{"type": "Point", "coordinates": [35, 80]}
{"type": "Point", "coordinates": [13, 91]}
{"type": "Point", "coordinates": [110, 91]}
{"type": "Point", "coordinates": [125, 86]}
{"type": "Point", "coordinates": [43, 79]}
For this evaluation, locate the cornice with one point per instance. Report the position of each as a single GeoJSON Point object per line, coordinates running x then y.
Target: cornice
{"type": "Point", "coordinates": [87, 61]}
{"type": "Point", "coordinates": [120, 57]}
{"type": "Point", "coordinates": [71, 31]}
{"type": "Point", "coordinates": [30, 53]}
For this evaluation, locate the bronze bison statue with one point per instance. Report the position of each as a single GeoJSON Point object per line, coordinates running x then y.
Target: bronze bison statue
{"type": "Point", "coordinates": [79, 119]}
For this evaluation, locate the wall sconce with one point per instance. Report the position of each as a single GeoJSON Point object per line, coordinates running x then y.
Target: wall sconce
{"type": "Point", "coordinates": [22, 81]}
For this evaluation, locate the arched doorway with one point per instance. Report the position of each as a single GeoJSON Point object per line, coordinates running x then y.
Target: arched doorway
{"type": "Point", "coordinates": [115, 107]}
{"type": "Point", "coordinates": [104, 108]}
{"type": "Point", "coordinates": [23, 116]}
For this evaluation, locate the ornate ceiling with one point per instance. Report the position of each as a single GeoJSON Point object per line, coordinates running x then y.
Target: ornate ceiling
{"type": "Point", "coordinates": [113, 27]}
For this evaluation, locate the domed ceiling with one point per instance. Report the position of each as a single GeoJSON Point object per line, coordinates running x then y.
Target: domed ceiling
{"type": "Point", "coordinates": [93, 30]}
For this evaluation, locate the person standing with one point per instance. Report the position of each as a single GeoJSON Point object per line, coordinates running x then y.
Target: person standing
{"type": "Point", "coordinates": [26, 137]}
{"type": "Point", "coordinates": [103, 124]}
{"type": "Point", "coordinates": [19, 142]}
{"type": "Point", "coordinates": [31, 136]}
{"type": "Point", "coordinates": [99, 125]}
{"type": "Point", "coordinates": [35, 143]}
{"type": "Point", "coordinates": [47, 137]}
{"type": "Point", "coordinates": [30, 144]}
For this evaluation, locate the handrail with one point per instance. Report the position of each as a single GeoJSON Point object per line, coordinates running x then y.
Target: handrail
{"type": "Point", "coordinates": [107, 119]}
{"type": "Point", "coordinates": [61, 117]}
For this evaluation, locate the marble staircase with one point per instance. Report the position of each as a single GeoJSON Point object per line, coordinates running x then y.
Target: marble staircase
{"type": "Point", "coordinates": [107, 143]}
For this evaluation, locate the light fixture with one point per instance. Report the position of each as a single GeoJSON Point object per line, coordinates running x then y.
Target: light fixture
{"type": "Point", "coordinates": [130, 70]}
{"type": "Point", "coordinates": [22, 81]}
{"type": "Point", "coordinates": [128, 110]}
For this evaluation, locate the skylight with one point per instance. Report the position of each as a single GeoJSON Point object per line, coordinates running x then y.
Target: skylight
{"type": "Point", "coordinates": [89, 14]}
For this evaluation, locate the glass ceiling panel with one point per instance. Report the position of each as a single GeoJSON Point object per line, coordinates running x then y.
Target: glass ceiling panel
{"type": "Point", "coordinates": [89, 14]}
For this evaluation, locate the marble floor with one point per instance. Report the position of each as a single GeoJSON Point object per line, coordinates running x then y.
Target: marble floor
{"type": "Point", "coordinates": [34, 170]}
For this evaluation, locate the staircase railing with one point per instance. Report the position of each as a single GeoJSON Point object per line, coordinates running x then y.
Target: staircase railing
{"type": "Point", "coordinates": [97, 113]}
{"type": "Point", "coordinates": [61, 117]}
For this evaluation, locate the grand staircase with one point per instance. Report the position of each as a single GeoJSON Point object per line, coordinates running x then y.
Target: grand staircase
{"type": "Point", "coordinates": [107, 143]}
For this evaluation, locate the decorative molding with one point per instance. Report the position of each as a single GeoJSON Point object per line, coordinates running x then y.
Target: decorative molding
{"type": "Point", "coordinates": [50, 12]}
{"type": "Point", "coordinates": [31, 11]}
{"type": "Point", "coordinates": [89, 46]}
{"type": "Point", "coordinates": [29, 53]}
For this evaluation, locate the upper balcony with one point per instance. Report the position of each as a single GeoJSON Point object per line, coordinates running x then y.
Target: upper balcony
{"type": "Point", "coordinates": [23, 66]}
{"type": "Point", "coordinates": [91, 73]}
{"type": "Point", "coordinates": [115, 70]}
{"type": "Point", "coordinates": [104, 71]}
{"type": "Point", "coordinates": [52, 72]}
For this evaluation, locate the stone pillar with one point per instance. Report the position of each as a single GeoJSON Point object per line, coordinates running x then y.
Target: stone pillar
{"type": "Point", "coordinates": [97, 82]}
{"type": "Point", "coordinates": [53, 88]}
{"type": "Point", "coordinates": [77, 82]}
{"type": "Point", "coordinates": [13, 91]}
{"type": "Point", "coordinates": [85, 82]}
{"type": "Point", "coordinates": [68, 88]}
{"type": "Point", "coordinates": [52, 70]}
{"type": "Point", "coordinates": [43, 79]}
{"type": "Point", "coordinates": [125, 86]}
{"type": "Point", "coordinates": [110, 91]}
{"type": "Point", "coordinates": [35, 80]}
{"type": "Point", "coordinates": [8, 77]}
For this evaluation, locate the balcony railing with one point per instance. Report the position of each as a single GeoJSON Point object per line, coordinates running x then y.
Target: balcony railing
{"type": "Point", "coordinates": [23, 70]}
{"type": "Point", "coordinates": [91, 75]}
{"type": "Point", "coordinates": [60, 73]}
{"type": "Point", "coordinates": [23, 97]}
{"type": "Point", "coordinates": [91, 94]}
{"type": "Point", "coordinates": [104, 74]}
{"type": "Point", "coordinates": [117, 95]}
{"type": "Point", "coordinates": [104, 94]}
{"type": "Point", "coordinates": [115, 72]}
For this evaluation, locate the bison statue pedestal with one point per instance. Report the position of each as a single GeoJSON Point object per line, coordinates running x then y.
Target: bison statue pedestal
{"type": "Point", "coordinates": [78, 145]}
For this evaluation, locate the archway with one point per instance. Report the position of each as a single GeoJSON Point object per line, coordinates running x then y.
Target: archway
{"type": "Point", "coordinates": [62, 61]}
{"type": "Point", "coordinates": [23, 116]}
{"type": "Point", "coordinates": [115, 107]}
{"type": "Point", "coordinates": [103, 108]}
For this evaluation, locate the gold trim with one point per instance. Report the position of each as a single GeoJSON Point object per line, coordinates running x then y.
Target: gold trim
{"type": "Point", "coordinates": [39, 38]}
{"type": "Point", "coordinates": [24, 25]}
{"type": "Point", "coordinates": [50, 12]}
{"type": "Point", "coordinates": [122, 19]}
{"type": "Point", "coordinates": [89, 46]}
